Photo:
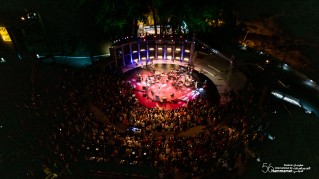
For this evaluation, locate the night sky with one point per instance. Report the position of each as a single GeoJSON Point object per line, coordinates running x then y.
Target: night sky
{"type": "Point", "coordinates": [298, 18]}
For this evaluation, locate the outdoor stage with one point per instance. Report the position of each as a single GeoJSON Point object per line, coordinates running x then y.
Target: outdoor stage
{"type": "Point", "coordinates": [165, 86]}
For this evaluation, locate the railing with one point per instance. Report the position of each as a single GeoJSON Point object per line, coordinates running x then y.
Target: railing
{"type": "Point", "coordinates": [212, 50]}
{"type": "Point", "coordinates": [80, 61]}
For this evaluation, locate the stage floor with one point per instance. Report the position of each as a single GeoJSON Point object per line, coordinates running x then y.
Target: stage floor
{"type": "Point", "coordinates": [160, 88]}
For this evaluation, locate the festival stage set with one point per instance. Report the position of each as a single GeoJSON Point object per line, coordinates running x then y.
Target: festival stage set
{"type": "Point", "coordinates": [165, 86]}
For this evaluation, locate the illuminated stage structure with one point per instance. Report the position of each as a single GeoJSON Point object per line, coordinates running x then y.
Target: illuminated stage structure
{"type": "Point", "coordinates": [154, 87]}
{"type": "Point", "coordinates": [165, 88]}
{"type": "Point", "coordinates": [133, 51]}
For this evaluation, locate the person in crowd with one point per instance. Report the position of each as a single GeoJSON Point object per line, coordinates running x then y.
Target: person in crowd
{"type": "Point", "coordinates": [73, 133]}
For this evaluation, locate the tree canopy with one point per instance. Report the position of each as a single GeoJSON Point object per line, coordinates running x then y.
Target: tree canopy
{"type": "Point", "coordinates": [117, 17]}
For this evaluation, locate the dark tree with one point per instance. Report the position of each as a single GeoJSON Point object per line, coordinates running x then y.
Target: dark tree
{"type": "Point", "coordinates": [119, 17]}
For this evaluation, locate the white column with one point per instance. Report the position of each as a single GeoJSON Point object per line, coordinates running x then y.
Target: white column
{"type": "Point", "coordinates": [123, 56]}
{"type": "Point", "coordinates": [131, 53]}
{"type": "Point", "coordinates": [139, 51]}
{"type": "Point", "coordinates": [182, 52]}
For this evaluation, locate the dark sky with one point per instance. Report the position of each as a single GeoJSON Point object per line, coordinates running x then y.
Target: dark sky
{"type": "Point", "coordinates": [59, 14]}
{"type": "Point", "coordinates": [298, 18]}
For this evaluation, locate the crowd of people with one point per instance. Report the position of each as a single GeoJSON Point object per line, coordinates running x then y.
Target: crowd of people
{"type": "Point", "coordinates": [69, 132]}
{"type": "Point", "coordinates": [218, 147]}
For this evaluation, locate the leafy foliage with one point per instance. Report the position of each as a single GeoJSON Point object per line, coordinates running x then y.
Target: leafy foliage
{"type": "Point", "coordinates": [117, 17]}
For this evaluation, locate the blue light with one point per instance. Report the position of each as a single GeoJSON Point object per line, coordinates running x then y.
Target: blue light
{"type": "Point", "coordinates": [184, 27]}
{"type": "Point", "coordinates": [270, 137]}
{"type": "Point", "coordinates": [72, 61]}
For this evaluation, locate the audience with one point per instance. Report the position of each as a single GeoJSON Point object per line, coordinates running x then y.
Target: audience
{"type": "Point", "coordinates": [68, 132]}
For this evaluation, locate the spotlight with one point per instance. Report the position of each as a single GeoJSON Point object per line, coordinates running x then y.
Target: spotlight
{"type": "Point", "coordinates": [2, 60]}
{"type": "Point", "coordinates": [307, 111]}
{"type": "Point", "coordinates": [270, 137]}
{"type": "Point", "coordinates": [258, 159]}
